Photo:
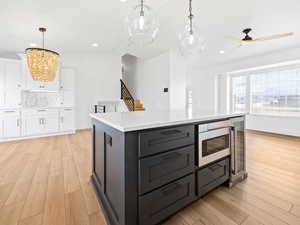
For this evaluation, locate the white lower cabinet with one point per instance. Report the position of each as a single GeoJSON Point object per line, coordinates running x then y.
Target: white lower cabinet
{"type": "Point", "coordinates": [35, 122]}
{"type": "Point", "coordinates": [40, 122]}
{"type": "Point", "coordinates": [11, 124]}
{"type": "Point", "coordinates": [1, 127]}
{"type": "Point", "coordinates": [2, 97]}
{"type": "Point", "coordinates": [66, 119]}
{"type": "Point", "coordinates": [50, 123]}
{"type": "Point", "coordinates": [32, 125]}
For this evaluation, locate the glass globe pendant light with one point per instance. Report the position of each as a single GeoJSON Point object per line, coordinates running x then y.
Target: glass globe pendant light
{"type": "Point", "coordinates": [142, 24]}
{"type": "Point", "coordinates": [190, 39]}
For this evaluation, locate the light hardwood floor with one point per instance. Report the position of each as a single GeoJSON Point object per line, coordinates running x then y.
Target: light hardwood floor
{"type": "Point", "coordinates": [46, 181]}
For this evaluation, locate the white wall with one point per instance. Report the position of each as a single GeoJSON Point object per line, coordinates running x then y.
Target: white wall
{"type": "Point", "coordinates": [203, 85]}
{"type": "Point", "coordinates": [177, 81]}
{"type": "Point", "coordinates": [97, 78]}
{"type": "Point", "coordinates": [167, 70]}
{"type": "Point", "coordinates": [274, 124]}
{"type": "Point", "coordinates": [151, 78]}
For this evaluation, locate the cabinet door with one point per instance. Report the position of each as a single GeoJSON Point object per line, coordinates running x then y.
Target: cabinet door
{"type": "Point", "coordinates": [50, 123]}
{"type": "Point", "coordinates": [2, 81]}
{"type": "Point", "coordinates": [67, 79]}
{"type": "Point", "coordinates": [13, 83]}
{"type": "Point", "coordinates": [11, 126]}
{"type": "Point", "coordinates": [67, 120]}
{"type": "Point", "coordinates": [1, 128]}
{"type": "Point", "coordinates": [161, 203]}
{"type": "Point", "coordinates": [33, 125]}
{"type": "Point", "coordinates": [67, 98]}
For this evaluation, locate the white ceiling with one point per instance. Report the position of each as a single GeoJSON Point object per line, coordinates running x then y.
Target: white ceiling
{"type": "Point", "coordinates": [74, 24]}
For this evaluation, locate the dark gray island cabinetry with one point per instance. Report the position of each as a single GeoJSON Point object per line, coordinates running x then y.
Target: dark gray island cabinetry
{"type": "Point", "coordinates": [145, 171]}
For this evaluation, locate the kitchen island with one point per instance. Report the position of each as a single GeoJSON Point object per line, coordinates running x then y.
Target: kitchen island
{"type": "Point", "coordinates": [149, 165]}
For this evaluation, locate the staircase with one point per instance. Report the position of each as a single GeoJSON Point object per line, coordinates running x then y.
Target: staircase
{"type": "Point", "coordinates": [131, 103]}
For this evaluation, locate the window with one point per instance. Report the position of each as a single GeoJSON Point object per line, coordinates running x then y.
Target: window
{"type": "Point", "coordinates": [269, 93]}
{"type": "Point", "coordinates": [239, 86]}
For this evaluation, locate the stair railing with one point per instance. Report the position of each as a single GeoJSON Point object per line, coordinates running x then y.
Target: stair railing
{"type": "Point", "coordinates": [127, 97]}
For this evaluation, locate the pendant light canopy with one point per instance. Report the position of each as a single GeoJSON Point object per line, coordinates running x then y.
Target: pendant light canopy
{"type": "Point", "coordinates": [190, 39]}
{"type": "Point", "coordinates": [142, 24]}
{"type": "Point", "coordinates": [42, 63]}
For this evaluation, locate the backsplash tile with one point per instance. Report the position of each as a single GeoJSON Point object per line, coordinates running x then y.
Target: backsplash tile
{"type": "Point", "coordinates": [40, 99]}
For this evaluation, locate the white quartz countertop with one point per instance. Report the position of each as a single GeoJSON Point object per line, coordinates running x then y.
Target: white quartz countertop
{"type": "Point", "coordinates": [132, 121]}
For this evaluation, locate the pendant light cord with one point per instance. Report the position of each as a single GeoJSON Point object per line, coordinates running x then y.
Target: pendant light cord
{"type": "Point", "coordinates": [191, 16]}
{"type": "Point", "coordinates": [43, 40]}
{"type": "Point", "coordinates": [142, 8]}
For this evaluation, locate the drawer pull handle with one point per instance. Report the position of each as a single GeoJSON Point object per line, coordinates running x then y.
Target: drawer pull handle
{"type": "Point", "coordinates": [215, 167]}
{"type": "Point", "coordinates": [170, 156]}
{"type": "Point", "coordinates": [108, 140]}
{"type": "Point", "coordinates": [9, 111]}
{"type": "Point", "coordinates": [170, 189]}
{"type": "Point", "coordinates": [169, 138]}
{"type": "Point", "coordinates": [170, 132]}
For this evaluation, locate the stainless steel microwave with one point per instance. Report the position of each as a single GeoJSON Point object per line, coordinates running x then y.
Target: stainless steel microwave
{"type": "Point", "coordinates": [214, 141]}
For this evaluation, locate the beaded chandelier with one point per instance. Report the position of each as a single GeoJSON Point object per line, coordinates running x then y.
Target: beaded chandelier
{"type": "Point", "coordinates": [42, 63]}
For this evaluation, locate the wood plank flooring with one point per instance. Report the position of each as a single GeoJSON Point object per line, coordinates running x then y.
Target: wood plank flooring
{"type": "Point", "coordinates": [45, 181]}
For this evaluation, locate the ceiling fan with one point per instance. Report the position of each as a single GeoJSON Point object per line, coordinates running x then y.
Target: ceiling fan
{"type": "Point", "coordinates": [248, 38]}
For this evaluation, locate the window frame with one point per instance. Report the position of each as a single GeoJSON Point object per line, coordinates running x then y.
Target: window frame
{"type": "Point", "coordinates": [248, 96]}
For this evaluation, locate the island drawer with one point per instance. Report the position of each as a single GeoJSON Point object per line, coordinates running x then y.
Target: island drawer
{"type": "Point", "coordinates": [156, 141]}
{"type": "Point", "coordinates": [162, 203]}
{"type": "Point", "coordinates": [212, 176]}
{"type": "Point", "coordinates": [158, 170]}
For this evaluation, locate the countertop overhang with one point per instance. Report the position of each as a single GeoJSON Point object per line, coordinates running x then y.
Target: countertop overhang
{"type": "Point", "coordinates": [133, 121]}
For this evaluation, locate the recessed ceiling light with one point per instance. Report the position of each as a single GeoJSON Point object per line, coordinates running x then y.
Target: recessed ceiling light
{"type": "Point", "coordinates": [222, 51]}
{"type": "Point", "coordinates": [95, 45]}
{"type": "Point", "coordinates": [33, 44]}
{"type": "Point", "coordinates": [123, 0]}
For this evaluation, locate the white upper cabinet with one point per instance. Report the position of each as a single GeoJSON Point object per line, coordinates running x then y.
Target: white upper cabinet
{"type": "Point", "coordinates": [10, 83]}
{"type": "Point", "coordinates": [37, 85]}
{"type": "Point", "coordinates": [67, 79]}
{"type": "Point", "coordinates": [13, 84]}
{"type": "Point", "coordinates": [67, 99]}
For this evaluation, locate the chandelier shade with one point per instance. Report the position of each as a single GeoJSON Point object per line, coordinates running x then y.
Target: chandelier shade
{"type": "Point", "coordinates": [42, 63]}
{"type": "Point", "coordinates": [142, 24]}
{"type": "Point", "coordinates": [191, 41]}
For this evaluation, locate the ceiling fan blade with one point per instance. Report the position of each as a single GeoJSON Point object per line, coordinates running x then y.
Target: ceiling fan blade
{"type": "Point", "coordinates": [233, 38]}
{"type": "Point", "coordinates": [273, 37]}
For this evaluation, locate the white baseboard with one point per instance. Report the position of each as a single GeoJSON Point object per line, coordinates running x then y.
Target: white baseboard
{"type": "Point", "coordinates": [37, 136]}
